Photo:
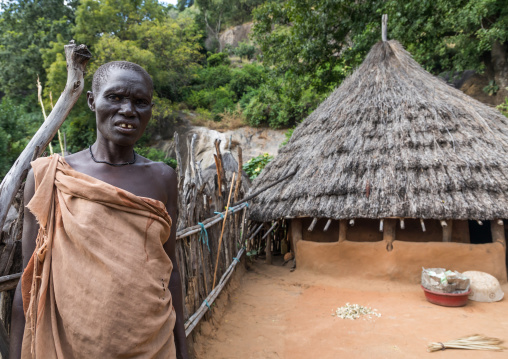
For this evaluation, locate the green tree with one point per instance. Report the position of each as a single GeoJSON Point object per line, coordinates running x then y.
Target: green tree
{"type": "Point", "coordinates": [315, 44]}
{"type": "Point", "coordinates": [26, 27]}
{"type": "Point", "coordinates": [181, 5]}
{"type": "Point", "coordinates": [110, 17]}
{"type": "Point", "coordinates": [302, 35]}
{"type": "Point", "coordinates": [16, 128]}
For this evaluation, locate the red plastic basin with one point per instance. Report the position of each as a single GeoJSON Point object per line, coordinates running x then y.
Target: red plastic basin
{"type": "Point", "coordinates": [446, 299]}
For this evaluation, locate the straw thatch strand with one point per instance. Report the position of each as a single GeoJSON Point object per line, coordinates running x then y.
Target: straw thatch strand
{"type": "Point", "coordinates": [391, 141]}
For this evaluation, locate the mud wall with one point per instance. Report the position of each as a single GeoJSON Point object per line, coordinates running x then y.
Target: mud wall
{"type": "Point", "coordinates": [404, 263]}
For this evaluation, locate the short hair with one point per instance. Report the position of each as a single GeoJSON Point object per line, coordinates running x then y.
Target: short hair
{"type": "Point", "coordinates": [101, 75]}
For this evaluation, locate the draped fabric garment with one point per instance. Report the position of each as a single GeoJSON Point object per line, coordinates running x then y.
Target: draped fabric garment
{"type": "Point", "coordinates": [97, 283]}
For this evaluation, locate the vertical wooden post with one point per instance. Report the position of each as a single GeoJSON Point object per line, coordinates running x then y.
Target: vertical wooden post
{"type": "Point", "coordinates": [4, 340]}
{"type": "Point", "coordinates": [390, 227]}
{"type": "Point", "coordinates": [342, 230]}
{"type": "Point", "coordinates": [268, 249]}
{"type": "Point", "coordinates": [498, 232]}
{"type": "Point", "coordinates": [384, 25]}
{"type": "Point", "coordinates": [296, 233]}
{"type": "Point", "coordinates": [447, 231]}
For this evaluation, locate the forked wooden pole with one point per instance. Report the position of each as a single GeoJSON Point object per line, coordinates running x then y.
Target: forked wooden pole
{"type": "Point", "coordinates": [384, 25]}
{"type": "Point", "coordinates": [222, 232]}
{"type": "Point", "coordinates": [77, 59]}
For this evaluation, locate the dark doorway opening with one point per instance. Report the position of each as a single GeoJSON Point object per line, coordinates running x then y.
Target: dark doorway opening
{"type": "Point", "coordinates": [480, 234]}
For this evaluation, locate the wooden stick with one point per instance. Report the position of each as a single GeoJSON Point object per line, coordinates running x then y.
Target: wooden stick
{"type": "Point", "coordinates": [389, 233]}
{"type": "Point", "coordinates": [39, 96]}
{"type": "Point", "coordinates": [219, 178]}
{"type": "Point", "coordinates": [8, 282]}
{"type": "Point", "coordinates": [256, 231]}
{"type": "Point", "coordinates": [239, 179]}
{"type": "Point", "coordinates": [384, 23]}
{"type": "Point", "coordinates": [248, 198]}
{"type": "Point", "coordinates": [447, 231]}
{"type": "Point", "coordinates": [200, 245]}
{"type": "Point", "coordinates": [268, 246]}
{"type": "Point", "coordinates": [207, 223]}
{"type": "Point", "coordinates": [327, 225]}
{"type": "Point", "coordinates": [77, 58]}
{"type": "Point", "coordinates": [222, 232]}
{"type": "Point", "coordinates": [242, 227]}
{"type": "Point", "coordinates": [271, 229]}
{"type": "Point", "coordinates": [196, 317]}
{"type": "Point", "coordinates": [498, 234]}
{"type": "Point", "coordinates": [312, 225]}
{"type": "Point", "coordinates": [62, 148]}
{"type": "Point", "coordinates": [342, 230]}
{"type": "Point", "coordinates": [423, 224]}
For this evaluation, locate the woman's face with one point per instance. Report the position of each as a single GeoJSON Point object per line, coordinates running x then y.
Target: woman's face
{"type": "Point", "coordinates": [122, 106]}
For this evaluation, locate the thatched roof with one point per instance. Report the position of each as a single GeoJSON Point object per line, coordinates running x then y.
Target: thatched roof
{"type": "Point", "coordinates": [391, 141]}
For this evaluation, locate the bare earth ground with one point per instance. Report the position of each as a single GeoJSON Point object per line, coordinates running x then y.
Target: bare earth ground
{"type": "Point", "coordinates": [268, 312]}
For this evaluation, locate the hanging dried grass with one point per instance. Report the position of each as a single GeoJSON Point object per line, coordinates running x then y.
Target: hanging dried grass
{"type": "Point", "coordinates": [472, 342]}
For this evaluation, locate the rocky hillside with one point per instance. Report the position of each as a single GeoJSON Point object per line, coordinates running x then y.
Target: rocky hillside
{"type": "Point", "coordinates": [254, 141]}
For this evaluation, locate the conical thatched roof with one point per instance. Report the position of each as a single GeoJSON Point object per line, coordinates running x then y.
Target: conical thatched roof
{"type": "Point", "coordinates": [391, 141]}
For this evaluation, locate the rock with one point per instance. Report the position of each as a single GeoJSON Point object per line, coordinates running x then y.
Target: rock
{"type": "Point", "coordinates": [235, 35]}
{"type": "Point", "coordinates": [254, 142]}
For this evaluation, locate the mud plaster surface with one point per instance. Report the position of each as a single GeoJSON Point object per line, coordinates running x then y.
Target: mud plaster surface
{"type": "Point", "coordinates": [404, 263]}
{"type": "Point", "coordinates": [272, 313]}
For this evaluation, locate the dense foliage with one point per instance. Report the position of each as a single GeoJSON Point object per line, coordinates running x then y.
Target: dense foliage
{"type": "Point", "coordinates": [299, 51]}
{"type": "Point", "coordinates": [255, 165]}
{"type": "Point", "coordinates": [315, 44]}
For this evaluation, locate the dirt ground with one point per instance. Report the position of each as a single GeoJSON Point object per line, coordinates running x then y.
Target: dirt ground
{"type": "Point", "coordinates": [268, 312]}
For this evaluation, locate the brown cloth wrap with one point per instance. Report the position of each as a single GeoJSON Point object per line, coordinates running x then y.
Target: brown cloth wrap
{"type": "Point", "coordinates": [97, 283]}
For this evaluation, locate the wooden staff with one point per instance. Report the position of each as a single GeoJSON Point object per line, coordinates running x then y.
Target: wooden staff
{"type": "Point", "coordinates": [222, 232]}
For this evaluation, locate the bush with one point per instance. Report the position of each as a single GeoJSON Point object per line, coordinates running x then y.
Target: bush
{"type": "Point", "coordinates": [155, 155]}
{"type": "Point", "coordinates": [255, 165]}
{"type": "Point", "coordinates": [218, 59]}
{"type": "Point", "coordinates": [503, 108]}
{"type": "Point", "coordinates": [164, 117]}
{"type": "Point", "coordinates": [245, 49]}
{"type": "Point", "coordinates": [280, 103]}
{"type": "Point", "coordinates": [80, 132]}
{"type": "Point", "coordinates": [213, 77]}
{"type": "Point", "coordinates": [248, 76]}
{"type": "Point", "coordinates": [16, 129]}
{"type": "Point", "coordinates": [215, 100]}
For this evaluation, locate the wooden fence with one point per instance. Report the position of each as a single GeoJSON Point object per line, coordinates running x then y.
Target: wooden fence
{"type": "Point", "coordinates": [202, 221]}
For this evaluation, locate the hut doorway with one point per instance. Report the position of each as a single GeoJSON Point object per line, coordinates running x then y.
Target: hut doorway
{"type": "Point", "coordinates": [480, 234]}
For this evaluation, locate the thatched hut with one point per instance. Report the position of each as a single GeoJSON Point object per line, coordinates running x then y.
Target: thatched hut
{"type": "Point", "coordinates": [394, 153]}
